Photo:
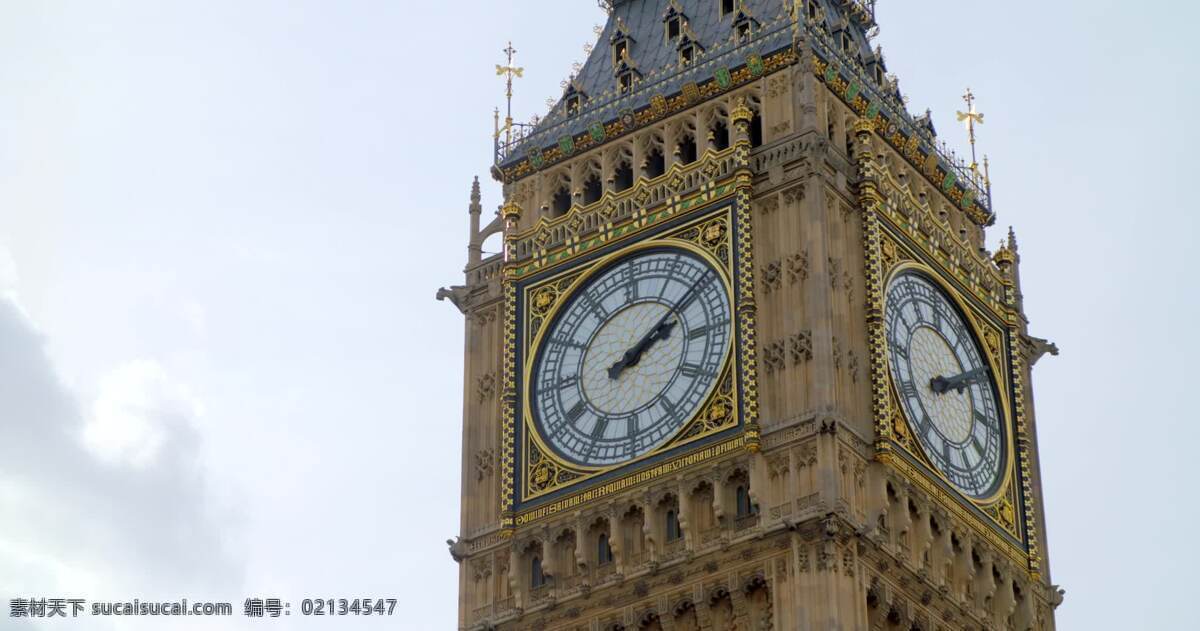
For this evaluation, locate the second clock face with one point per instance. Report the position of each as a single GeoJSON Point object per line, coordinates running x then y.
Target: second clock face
{"type": "Point", "coordinates": [631, 357]}
{"type": "Point", "coordinates": [945, 387]}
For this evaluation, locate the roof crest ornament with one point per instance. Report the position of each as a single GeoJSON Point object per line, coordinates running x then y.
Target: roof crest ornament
{"type": "Point", "coordinates": [971, 116]}
{"type": "Point", "coordinates": [508, 71]}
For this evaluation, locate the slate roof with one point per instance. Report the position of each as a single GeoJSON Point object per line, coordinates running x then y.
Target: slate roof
{"type": "Point", "coordinates": [657, 60]}
{"type": "Point", "coordinates": [838, 35]}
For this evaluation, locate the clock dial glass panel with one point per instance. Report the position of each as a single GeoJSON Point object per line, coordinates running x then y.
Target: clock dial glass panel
{"type": "Point", "coordinates": [945, 387]}
{"type": "Point", "coordinates": [631, 357]}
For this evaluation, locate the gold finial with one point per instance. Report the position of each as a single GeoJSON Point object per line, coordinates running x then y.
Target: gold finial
{"type": "Point", "coordinates": [987, 178]}
{"type": "Point", "coordinates": [971, 117]}
{"type": "Point", "coordinates": [740, 112]}
{"type": "Point", "coordinates": [508, 71]}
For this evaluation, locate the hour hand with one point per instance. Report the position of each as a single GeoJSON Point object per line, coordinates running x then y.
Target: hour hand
{"type": "Point", "coordinates": [632, 356]}
{"type": "Point", "coordinates": [941, 385]}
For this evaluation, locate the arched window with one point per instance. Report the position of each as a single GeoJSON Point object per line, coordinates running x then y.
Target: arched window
{"type": "Point", "coordinates": [720, 135]}
{"type": "Point", "coordinates": [686, 149]}
{"type": "Point", "coordinates": [623, 176]}
{"type": "Point", "coordinates": [592, 189]}
{"type": "Point", "coordinates": [673, 533]}
{"type": "Point", "coordinates": [536, 577]}
{"type": "Point", "coordinates": [743, 502]}
{"type": "Point", "coordinates": [655, 164]}
{"type": "Point", "coordinates": [561, 202]}
{"type": "Point", "coordinates": [756, 130]}
{"type": "Point", "coordinates": [603, 550]}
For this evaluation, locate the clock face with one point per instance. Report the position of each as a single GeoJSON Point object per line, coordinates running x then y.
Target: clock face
{"type": "Point", "coordinates": [945, 387]}
{"type": "Point", "coordinates": [630, 357]}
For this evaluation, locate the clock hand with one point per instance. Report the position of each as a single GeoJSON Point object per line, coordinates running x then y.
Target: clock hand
{"type": "Point", "coordinates": [632, 356]}
{"type": "Point", "coordinates": [941, 385]}
{"type": "Point", "coordinates": [661, 331]}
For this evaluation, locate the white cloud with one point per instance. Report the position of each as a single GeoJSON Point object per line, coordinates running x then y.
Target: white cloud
{"type": "Point", "coordinates": [110, 504]}
{"type": "Point", "coordinates": [138, 408]}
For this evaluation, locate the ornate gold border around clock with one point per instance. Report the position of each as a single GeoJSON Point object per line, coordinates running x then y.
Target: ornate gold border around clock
{"type": "Point", "coordinates": [892, 219]}
{"type": "Point", "coordinates": [508, 404]}
{"type": "Point", "coordinates": [994, 353]}
{"type": "Point", "coordinates": [743, 382]}
{"type": "Point", "coordinates": [710, 241]}
{"type": "Point", "coordinates": [1017, 364]}
{"type": "Point", "coordinates": [999, 507]}
{"type": "Point", "coordinates": [708, 236]}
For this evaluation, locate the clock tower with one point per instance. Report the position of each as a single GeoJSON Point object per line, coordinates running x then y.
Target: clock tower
{"type": "Point", "coordinates": [745, 361]}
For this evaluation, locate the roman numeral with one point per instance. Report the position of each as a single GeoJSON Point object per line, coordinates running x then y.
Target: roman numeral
{"type": "Point", "coordinates": [631, 288]}
{"type": "Point", "coordinates": [574, 413]}
{"type": "Point", "coordinates": [977, 446]}
{"type": "Point", "coordinates": [692, 370]}
{"type": "Point", "coordinates": [598, 430]}
{"type": "Point", "coordinates": [559, 430]}
{"type": "Point", "coordinates": [908, 389]}
{"type": "Point", "coordinates": [569, 342]}
{"type": "Point", "coordinates": [698, 332]}
{"type": "Point", "coordinates": [567, 382]}
{"type": "Point", "coordinates": [594, 305]}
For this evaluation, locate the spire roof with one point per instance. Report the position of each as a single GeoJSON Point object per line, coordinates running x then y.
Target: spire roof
{"type": "Point", "coordinates": [839, 32]}
{"type": "Point", "coordinates": [657, 59]}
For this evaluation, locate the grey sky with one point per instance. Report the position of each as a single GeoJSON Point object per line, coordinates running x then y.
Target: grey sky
{"type": "Point", "coordinates": [222, 372]}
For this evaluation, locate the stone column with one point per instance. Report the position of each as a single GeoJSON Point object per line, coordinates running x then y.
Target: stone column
{"type": "Point", "coordinates": [984, 583]}
{"type": "Point", "coordinates": [941, 554]}
{"type": "Point", "coordinates": [1003, 600]}
{"type": "Point", "coordinates": [718, 501]}
{"type": "Point", "coordinates": [922, 539]}
{"type": "Point", "coordinates": [703, 140]}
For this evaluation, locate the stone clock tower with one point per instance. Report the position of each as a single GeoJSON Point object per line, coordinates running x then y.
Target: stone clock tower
{"type": "Point", "coordinates": [745, 361]}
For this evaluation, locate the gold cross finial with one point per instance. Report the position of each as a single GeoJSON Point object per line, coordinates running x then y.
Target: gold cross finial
{"type": "Point", "coordinates": [508, 71]}
{"type": "Point", "coordinates": [971, 117]}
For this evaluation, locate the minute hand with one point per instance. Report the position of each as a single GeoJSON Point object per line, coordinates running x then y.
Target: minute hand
{"type": "Point", "coordinates": [942, 384]}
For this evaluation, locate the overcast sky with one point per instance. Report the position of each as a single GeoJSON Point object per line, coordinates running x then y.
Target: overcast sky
{"type": "Point", "coordinates": [223, 373]}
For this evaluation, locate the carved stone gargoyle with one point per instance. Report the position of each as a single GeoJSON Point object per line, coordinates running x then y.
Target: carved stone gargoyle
{"type": "Point", "coordinates": [1039, 347]}
{"type": "Point", "coordinates": [457, 295]}
{"type": "Point", "coordinates": [458, 548]}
